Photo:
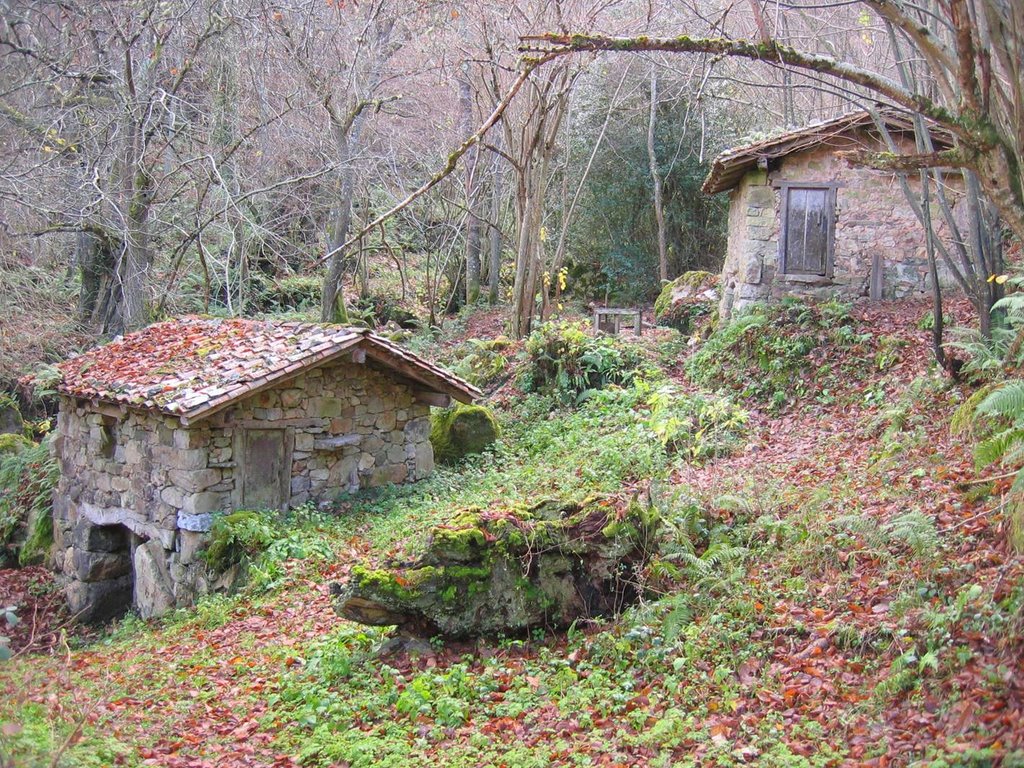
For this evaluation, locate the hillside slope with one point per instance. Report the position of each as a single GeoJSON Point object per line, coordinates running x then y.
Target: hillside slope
{"type": "Point", "coordinates": [834, 587]}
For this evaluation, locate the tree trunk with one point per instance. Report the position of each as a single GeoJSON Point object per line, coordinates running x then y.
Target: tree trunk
{"type": "Point", "coordinates": [494, 267]}
{"type": "Point", "coordinates": [340, 224]}
{"type": "Point", "coordinates": [652, 159]}
{"type": "Point", "coordinates": [471, 184]}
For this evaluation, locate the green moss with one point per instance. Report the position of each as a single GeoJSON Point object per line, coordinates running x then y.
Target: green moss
{"type": "Point", "coordinates": [694, 280]}
{"type": "Point", "coordinates": [39, 539]}
{"type": "Point", "coordinates": [386, 584]}
{"type": "Point", "coordinates": [458, 543]}
{"type": "Point", "coordinates": [11, 443]}
{"type": "Point", "coordinates": [461, 431]}
{"type": "Point", "coordinates": [236, 537]}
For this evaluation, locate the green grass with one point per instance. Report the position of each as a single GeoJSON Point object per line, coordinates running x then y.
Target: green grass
{"type": "Point", "coordinates": [706, 671]}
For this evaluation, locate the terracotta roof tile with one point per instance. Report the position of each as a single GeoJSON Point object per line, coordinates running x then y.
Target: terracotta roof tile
{"type": "Point", "coordinates": [193, 366]}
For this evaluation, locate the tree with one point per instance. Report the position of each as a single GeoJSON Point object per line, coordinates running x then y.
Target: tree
{"type": "Point", "coordinates": [976, 92]}
{"type": "Point", "coordinates": [102, 111]}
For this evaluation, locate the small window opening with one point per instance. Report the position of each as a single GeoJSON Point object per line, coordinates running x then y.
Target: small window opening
{"type": "Point", "coordinates": [108, 437]}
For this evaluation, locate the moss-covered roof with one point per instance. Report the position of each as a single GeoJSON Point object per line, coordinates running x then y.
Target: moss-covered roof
{"type": "Point", "coordinates": [731, 165]}
{"type": "Point", "coordinates": [193, 366]}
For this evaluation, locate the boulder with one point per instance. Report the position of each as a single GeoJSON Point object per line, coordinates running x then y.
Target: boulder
{"type": "Point", "coordinates": [99, 566]}
{"type": "Point", "coordinates": [99, 538]}
{"type": "Point", "coordinates": [688, 301]}
{"type": "Point", "coordinates": [489, 572]}
{"type": "Point", "coordinates": [461, 431]}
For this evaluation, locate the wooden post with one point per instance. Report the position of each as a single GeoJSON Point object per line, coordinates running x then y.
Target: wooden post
{"type": "Point", "coordinates": [876, 287]}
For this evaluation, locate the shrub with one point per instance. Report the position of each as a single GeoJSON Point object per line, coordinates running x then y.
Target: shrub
{"type": "Point", "coordinates": [377, 310]}
{"type": "Point", "coordinates": [27, 480]}
{"type": "Point", "coordinates": [238, 537]}
{"type": "Point", "coordinates": [483, 361]}
{"type": "Point", "coordinates": [689, 317]}
{"type": "Point", "coordinates": [566, 361]}
{"type": "Point", "coordinates": [697, 426]}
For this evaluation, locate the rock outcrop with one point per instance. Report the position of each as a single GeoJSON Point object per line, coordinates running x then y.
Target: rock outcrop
{"type": "Point", "coordinates": [501, 572]}
{"type": "Point", "coordinates": [688, 302]}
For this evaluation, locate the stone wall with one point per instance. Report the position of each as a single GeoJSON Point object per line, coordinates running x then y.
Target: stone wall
{"type": "Point", "coordinates": [872, 216]}
{"type": "Point", "coordinates": [138, 490]}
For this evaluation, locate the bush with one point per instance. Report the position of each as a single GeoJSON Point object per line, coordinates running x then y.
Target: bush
{"type": "Point", "coordinates": [238, 537]}
{"type": "Point", "coordinates": [482, 361]}
{"type": "Point", "coordinates": [694, 317]}
{"type": "Point", "coordinates": [697, 426]}
{"type": "Point", "coordinates": [378, 310]}
{"type": "Point", "coordinates": [27, 479]}
{"type": "Point", "coordinates": [566, 361]}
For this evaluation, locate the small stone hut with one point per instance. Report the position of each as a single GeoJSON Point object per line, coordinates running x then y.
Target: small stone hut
{"type": "Point", "coordinates": [803, 221]}
{"type": "Point", "coordinates": [164, 428]}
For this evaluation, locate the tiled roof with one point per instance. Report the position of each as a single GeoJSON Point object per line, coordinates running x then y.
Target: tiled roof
{"type": "Point", "coordinates": [193, 366]}
{"type": "Point", "coordinates": [731, 165]}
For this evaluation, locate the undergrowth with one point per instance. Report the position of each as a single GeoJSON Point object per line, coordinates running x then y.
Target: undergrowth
{"type": "Point", "coordinates": [778, 354]}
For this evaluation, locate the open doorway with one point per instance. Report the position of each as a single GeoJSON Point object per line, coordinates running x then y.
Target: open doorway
{"type": "Point", "coordinates": [102, 567]}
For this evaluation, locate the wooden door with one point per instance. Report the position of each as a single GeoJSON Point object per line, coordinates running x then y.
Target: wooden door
{"type": "Point", "coordinates": [265, 469]}
{"type": "Point", "coordinates": [808, 230]}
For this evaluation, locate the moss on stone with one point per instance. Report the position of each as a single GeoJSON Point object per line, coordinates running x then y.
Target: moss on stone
{"type": "Point", "coordinates": [39, 538]}
{"type": "Point", "coordinates": [12, 444]}
{"type": "Point", "coordinates": [694, 280]}
{"type": "Point", "coordinates": [461, 431]}
{"type": "Point", "coordinates": [491, 572]}
{"type": "Point", "coordinates": [461, 543]}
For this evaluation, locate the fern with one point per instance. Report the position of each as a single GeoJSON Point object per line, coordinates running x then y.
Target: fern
{"type": "Point", "coordinates": [917, 531]}
{"type": "Point", "coordinates": [1005, 400]}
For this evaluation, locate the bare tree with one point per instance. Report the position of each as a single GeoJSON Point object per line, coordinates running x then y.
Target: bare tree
{"type": "Point", "coordinates": [104, 93]}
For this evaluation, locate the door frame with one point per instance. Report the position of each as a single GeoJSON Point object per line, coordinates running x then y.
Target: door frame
{"type": "Point", "coordinates": [831, 188]}
{"type": "Point", "coordinates": [241, 468]}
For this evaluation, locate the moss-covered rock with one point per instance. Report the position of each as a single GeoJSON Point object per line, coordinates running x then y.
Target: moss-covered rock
{"type": "Point", "coordinates": [10, 416]}
{"type": "Point", "coordinates": [492, 572]}
{"type": "Point", "coordinates": [11, 443]}
{"type": "Point", "coordinates": [688, 302]}
{"type": "Point", "coordinates": [39, 537]}
{"type": "Point", "coordinates": [462, 430]}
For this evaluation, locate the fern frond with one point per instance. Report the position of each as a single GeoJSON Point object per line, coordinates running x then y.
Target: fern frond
{"type": "Point", "coordinates": [963, 418]}
{"type": "Point", "coordinates": [1006, 400]}
{"type": "Point", "coordinates": [994, 448]}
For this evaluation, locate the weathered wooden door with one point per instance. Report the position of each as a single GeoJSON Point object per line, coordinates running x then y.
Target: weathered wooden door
{"type": "Point", "coordinates": [265, 468]}
{"type": "Point", "coordinates": [807, 230]}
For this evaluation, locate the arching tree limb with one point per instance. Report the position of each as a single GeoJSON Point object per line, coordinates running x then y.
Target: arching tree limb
{"type": "Point", "coordinates": [529, 66]}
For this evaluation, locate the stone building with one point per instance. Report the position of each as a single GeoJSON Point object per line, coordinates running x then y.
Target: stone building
{"type": "Point", "coordinates": [162, 429]}
{"type": "Point", "coordinates": [805, 222]}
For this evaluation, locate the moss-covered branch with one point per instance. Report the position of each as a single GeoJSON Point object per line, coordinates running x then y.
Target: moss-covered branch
{"type": "Point", "coordinates": [891, 161]}
{"type": "Point", "coordinates": [772, 52]}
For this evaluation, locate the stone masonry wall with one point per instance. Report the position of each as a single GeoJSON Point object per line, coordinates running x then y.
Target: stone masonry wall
{"type": "Point", "coordinates": [872, 216]}
{"type": "Point", "coordinates": [137, 492]}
